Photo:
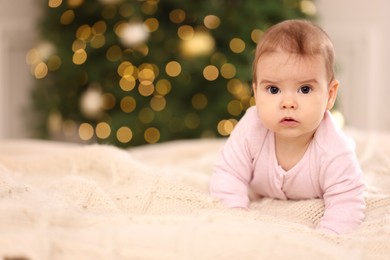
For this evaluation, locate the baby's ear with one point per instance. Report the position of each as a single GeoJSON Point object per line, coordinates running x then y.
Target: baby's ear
{"type": "Point", "coordinates": [332, 93]}
{"type": "Point", "coordinates": [254, 88]}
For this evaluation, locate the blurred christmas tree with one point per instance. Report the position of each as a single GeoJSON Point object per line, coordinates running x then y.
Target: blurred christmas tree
{"type": "Point", "coordinates": [129, 72]}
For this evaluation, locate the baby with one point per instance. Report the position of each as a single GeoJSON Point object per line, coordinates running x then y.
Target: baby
{"type": "Point", "coordinates": [288, 146]}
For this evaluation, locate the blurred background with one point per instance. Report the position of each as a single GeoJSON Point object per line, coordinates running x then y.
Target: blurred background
{"type": "Point", "coordinates": [133, 72]}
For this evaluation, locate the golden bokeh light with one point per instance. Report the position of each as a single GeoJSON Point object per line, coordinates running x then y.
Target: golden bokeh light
{"type": "Point", "coordinates": [234, 86]}
{"type": "Point", "coordinates": [127, 83]}
{"type": "Point", "coordinates": [145, 90]}
{"type": "Point", "coordinates": [199, 101]}
{"type": "Point", "coordinates": [234, 107]}
{"type": "Point", "coordinates": [242, 92]}
{"type": "Point", "coordinates": [225, 127]}
{"type": "Point", "coordinates": [128, 104]}
{"type": "Point", "coordinates": [210, 72]}
{"type": "Point", "coordinates": [67, 17]}
{"type": "Point", "coordinates": [163, 87]}
{"type": "Point", "coordinates": [99, 27]}
{"type": "Point", "coordinates": [124, 134]}
{"type": "Point", "coordinates": [54, 3]}
{"type": "Point", "coordinates": [98, 41]}
{"type": "Point", "coordinates": [152, 135]}
{"type": "Point", "coordinates": [202, 43]}
{"type": "Point", "coordinates": [173, 68]}
{"type": "Point", "coordinates": [103, 130]}
{"type": "Point", "coordinates": [142, 86]}
{"type": "Point", "coordinates": [40, 70]}
{"type": "Point", "coordinates": [158, 103]}
{"type": "Point", "coordinates": [86, 131]}
{"type": "Point", "coordinates": [79, 57]}
{"type": "Point", "coordinates": [256, 35]}
{"type": "Point", "coordinates": [185, 32]}
{"type": "Point", "coordinates": [177, 16]}
{"type": "Point", "coordinates": [152, 24]}
{"type": "Point", "coordinates": [237, 45]}
{"type": "Point", "coordinates": [146, 75]}
{"type": "Point", "coordinates": [125, 68]}
{"type": "Point", "coordinates": [84, 32]}
{"type": "Point", "coordinates": [212, 22]}
{"type": "Point", "coordinates": [78, 45]}
{"type": "Point", "coordinates": [228, 71]}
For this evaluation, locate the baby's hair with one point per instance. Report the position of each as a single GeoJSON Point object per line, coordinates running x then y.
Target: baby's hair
{"type": "Point", "coordinates": [299, 37]}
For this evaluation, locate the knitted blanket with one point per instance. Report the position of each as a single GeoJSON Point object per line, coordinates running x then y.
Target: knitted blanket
{"type": "Point", "coordinates": [63, 201]}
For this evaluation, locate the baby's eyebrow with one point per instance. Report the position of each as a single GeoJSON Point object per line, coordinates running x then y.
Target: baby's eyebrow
{"type": "Point", "coordinates": [308, 81]}
{"type": "Point", "coordinates": [300, 82]}
{"type": "Point", "coordinates": [267, 81]}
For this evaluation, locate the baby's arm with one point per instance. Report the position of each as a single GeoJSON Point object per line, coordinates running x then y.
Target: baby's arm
{"type": "Point", "coordinates": [233, 169]}
{"type": "Point", "coordinates": [343, 186]}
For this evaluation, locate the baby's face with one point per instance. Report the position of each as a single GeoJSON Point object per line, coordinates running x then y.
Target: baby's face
{"type": "Point", "coordinates": [292, 93]}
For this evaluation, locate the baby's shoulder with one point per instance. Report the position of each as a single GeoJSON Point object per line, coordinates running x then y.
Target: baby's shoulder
{"type": "Point", "coordinates": [250, 130]}
{"type": "Point", "coordinates": [331, 139]}
{"type": "Point", "coordinates": [253, 125]}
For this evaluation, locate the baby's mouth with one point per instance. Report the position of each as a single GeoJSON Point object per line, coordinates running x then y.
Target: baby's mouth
{"type": "Point", "coordinates": [289, 121]}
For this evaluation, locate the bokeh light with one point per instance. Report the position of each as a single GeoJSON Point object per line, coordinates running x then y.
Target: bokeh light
{"type": "Point", "coordinates": [103, 130]}
{"type": "Point", "coordinates": [141, 72]}
{"type": "Point", "coordinates": [212, 22]}
{"type": "Point", "coordinates": [86, 131]}
{"type": "Point", "coordinates": [124, 134]}
{"type": "Point", "coordinates": [177, 16]}
{"type": "Point", "coordinates": [173, 68]}
{"type": "Point", "coordinates": [210, 72]}
{"type": "Point", "coordinates": [54, 3]}
{"type": "Point", "coordinates": [128, 104]}
{"type": "Point", "coordinates": [237, 45]}
{"type": "Point", "coordinates": [152, 135]}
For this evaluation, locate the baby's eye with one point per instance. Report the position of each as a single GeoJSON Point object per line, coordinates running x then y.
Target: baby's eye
{"type": "Point", "coordinates": [273, 90]}
{"type": "Point", "coordinates": [305, 89]}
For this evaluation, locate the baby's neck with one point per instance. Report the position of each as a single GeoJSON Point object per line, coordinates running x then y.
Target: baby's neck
{"type": "Point", "coordinates": [289, 151]}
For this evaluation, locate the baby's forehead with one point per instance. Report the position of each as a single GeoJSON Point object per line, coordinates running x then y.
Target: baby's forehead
{"type": "Point", "coordinates": [280, 66]}
{"type": "Point", "coordinates": [281, 58]}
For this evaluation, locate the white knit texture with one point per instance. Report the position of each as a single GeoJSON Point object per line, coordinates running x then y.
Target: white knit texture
{"type": "Point", "coordinates": [60, 201]}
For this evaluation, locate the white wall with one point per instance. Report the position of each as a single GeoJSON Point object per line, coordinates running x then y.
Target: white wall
{"type": "Point", "coordinates": [17, 34]}
{"type": "Point", "coordinates": [361, 34]}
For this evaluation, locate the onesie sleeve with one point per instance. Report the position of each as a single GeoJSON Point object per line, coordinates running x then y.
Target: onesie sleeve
{"type": "Point", "coordinates": [343, 186]}
{"type": "Point", "coordinates": [233, 169]}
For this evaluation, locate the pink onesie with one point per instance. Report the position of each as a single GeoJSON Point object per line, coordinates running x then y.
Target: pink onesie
{"type": "Point", "coordinates": [329, 170]}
